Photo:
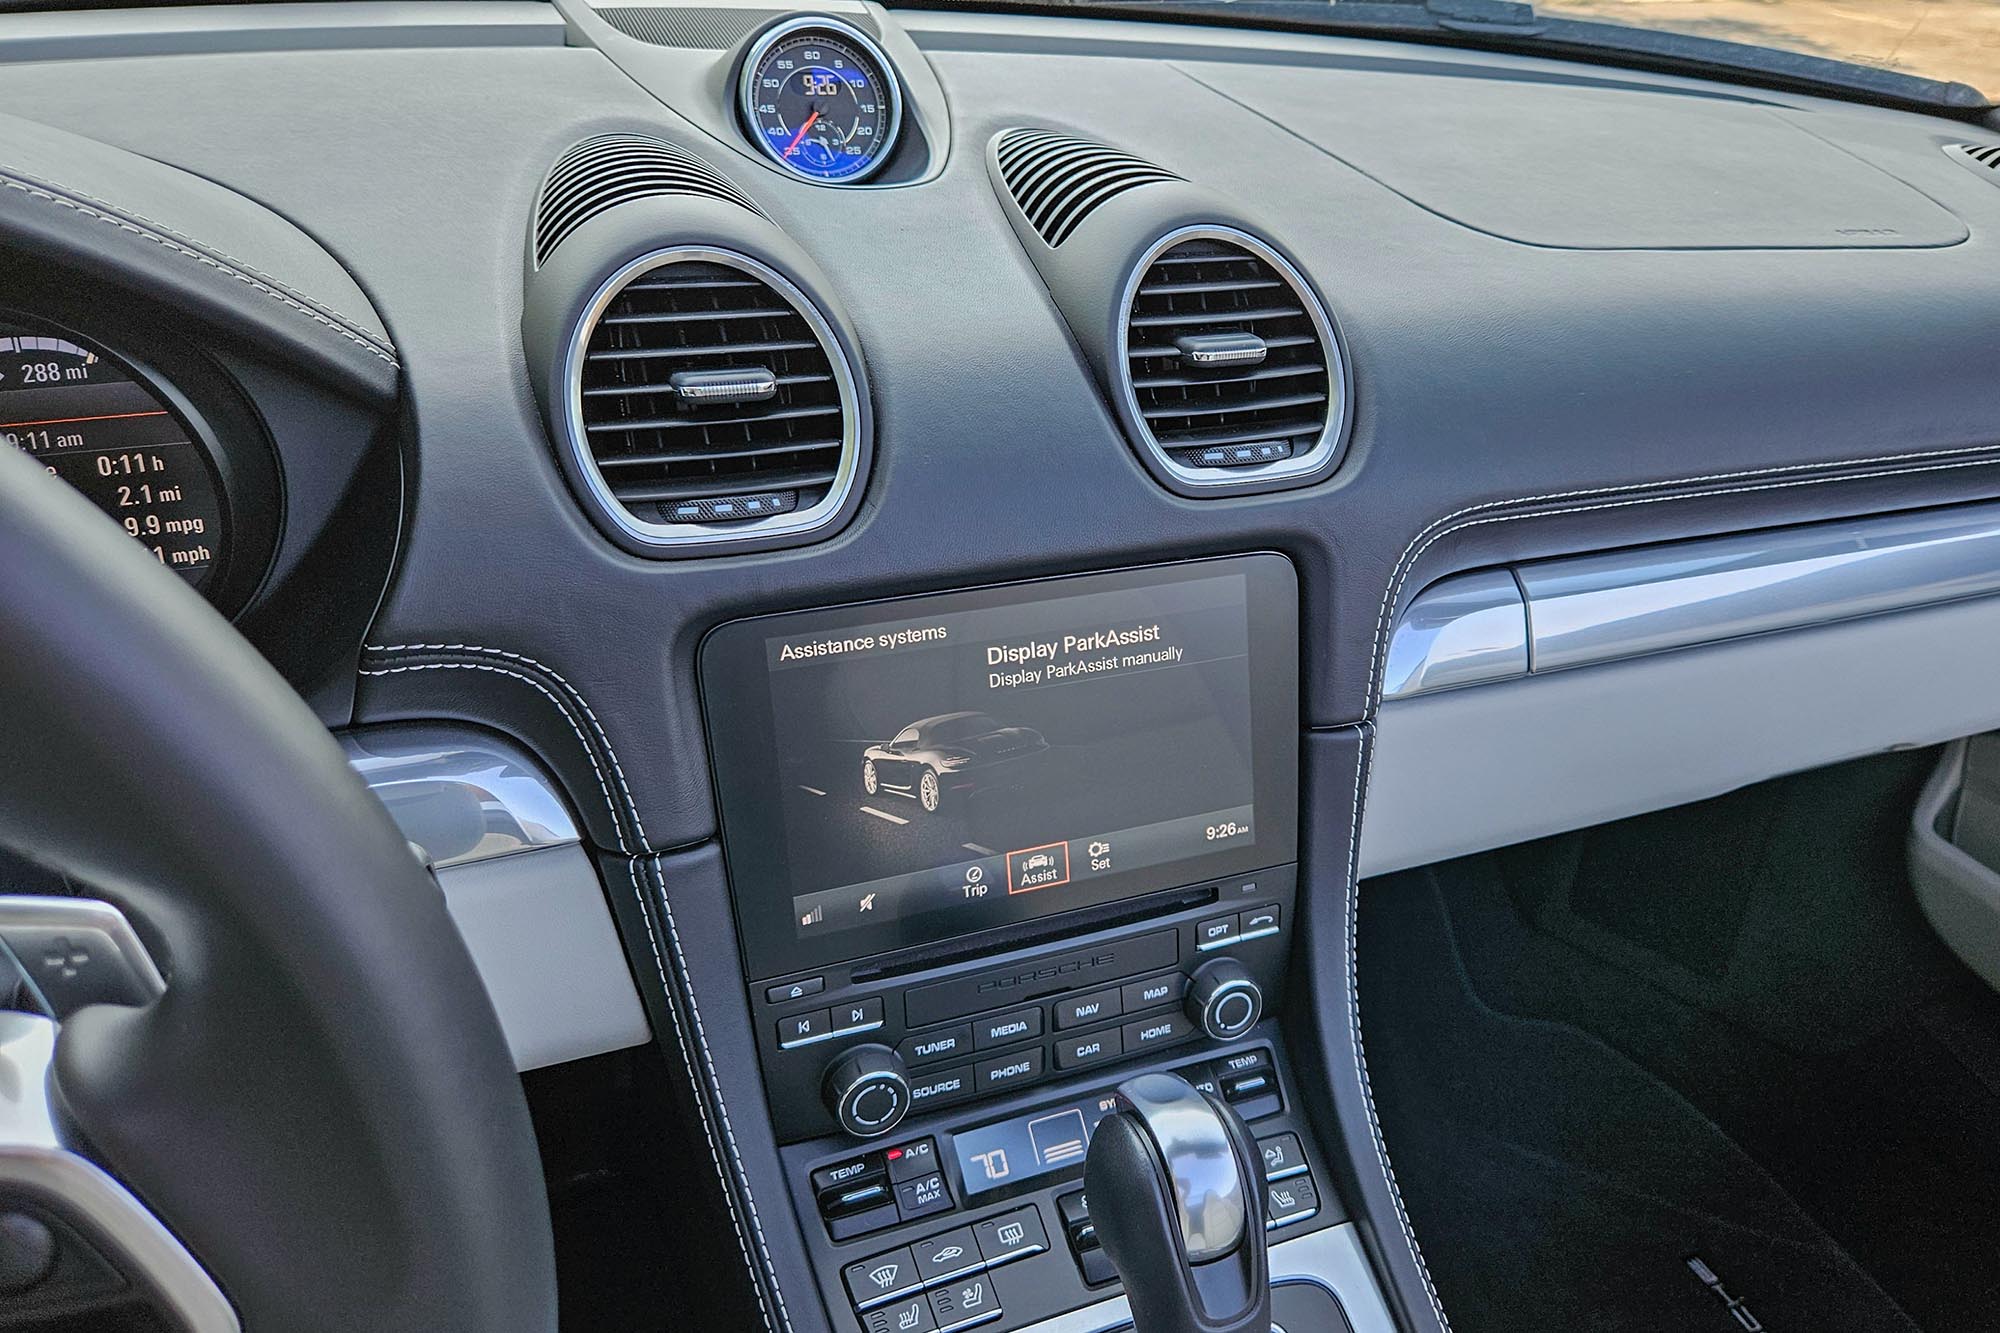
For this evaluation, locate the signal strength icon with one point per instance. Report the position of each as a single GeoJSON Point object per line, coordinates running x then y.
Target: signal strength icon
{"type": "Point", "coordinates": [814, 917]}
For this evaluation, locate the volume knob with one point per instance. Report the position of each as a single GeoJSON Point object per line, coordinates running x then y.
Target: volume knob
{"type": "Point", "coordinates": [1224, 999]}
{"type": "Point", "coordinates": [868, 1090]}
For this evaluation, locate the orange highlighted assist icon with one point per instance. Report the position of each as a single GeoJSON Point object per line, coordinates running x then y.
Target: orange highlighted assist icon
{"type": "Point", "coordinates": [1034, 868]}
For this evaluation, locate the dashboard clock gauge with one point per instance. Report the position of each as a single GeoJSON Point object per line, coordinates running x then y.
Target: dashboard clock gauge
{"type": "Point", "coordinates": [97, 425]}
{"type": "Point", "coordinates": [820, 99]}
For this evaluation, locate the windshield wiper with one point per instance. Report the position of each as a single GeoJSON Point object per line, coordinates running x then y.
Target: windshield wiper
{"type": "Point", "coordinates": [1516, 26]}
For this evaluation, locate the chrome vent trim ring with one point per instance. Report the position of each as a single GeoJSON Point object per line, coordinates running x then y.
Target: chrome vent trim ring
{"type": "Point", "coordinates": [1302, 462]}
{"type": "Point", "coordinates": [677, 536]}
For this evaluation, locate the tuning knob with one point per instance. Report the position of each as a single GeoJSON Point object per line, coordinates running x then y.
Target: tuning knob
{"type": "Point", "coordinates": [868, 1090]}
{"type": "Point", "coordinates": [1224, 999]}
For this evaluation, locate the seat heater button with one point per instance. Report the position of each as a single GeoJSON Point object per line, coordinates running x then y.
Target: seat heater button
{"type": "Point", "coordinates": [1287, 1201]}
{"type": "Point", "coordinates": [965, 1303]}
{"type": "Point", "coordinates": [912, 1315]}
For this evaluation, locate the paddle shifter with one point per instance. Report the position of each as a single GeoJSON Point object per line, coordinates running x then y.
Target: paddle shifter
{"type": "Point", "coordinates": [1174, 1181]}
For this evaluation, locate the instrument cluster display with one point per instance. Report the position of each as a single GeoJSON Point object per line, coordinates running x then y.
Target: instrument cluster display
{"type": "Point", "coordinates": [92, 422]}
{"type": "Point", "coordinates": [821, 100]}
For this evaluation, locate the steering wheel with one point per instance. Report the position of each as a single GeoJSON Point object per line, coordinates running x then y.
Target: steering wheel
{"type": "Point", "coordinates": [321, 1105]}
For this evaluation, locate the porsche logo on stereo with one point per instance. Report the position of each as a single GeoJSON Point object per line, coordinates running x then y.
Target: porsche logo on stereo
{"type": "Point", "coordinates": [1066, 967]}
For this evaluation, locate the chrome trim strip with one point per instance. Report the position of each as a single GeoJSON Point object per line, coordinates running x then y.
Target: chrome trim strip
{"type": "Point", "coordinates": [817, 1038]}
{"type": "Point", "coordinates": [679, 536]}
{"type": "Point", "coordinates": [1338, 398]}
{"type": "Point", "coordinates": [460, 795]}
{"type": "Point", "coordinates": [35, 1162]}
{"type": "Point", "coordinates": [1591, 609]}
{"type": "Point", "coordinates": [1332, 1258]}
{"type": "Point", "coordinates": [1462, 630]}
{"type": "Point", "coordinates": [84, 916]}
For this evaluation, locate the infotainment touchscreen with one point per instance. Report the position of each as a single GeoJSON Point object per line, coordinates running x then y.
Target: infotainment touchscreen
{"type": "Point", "coordinates": [906, 771]}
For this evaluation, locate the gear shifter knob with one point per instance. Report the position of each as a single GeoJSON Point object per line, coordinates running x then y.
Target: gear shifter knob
{"type": "Point", "coordinates": [1174, 1182]}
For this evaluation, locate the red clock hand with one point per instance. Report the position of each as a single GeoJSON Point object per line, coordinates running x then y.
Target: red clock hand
{"type": "Point", "coordinates": [793, 146]}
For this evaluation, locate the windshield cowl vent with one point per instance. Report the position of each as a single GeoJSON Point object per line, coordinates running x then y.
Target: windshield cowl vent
{"type": "Point", "coordinates": [1981, 157]}
{"type": "Point", "coordinates": [1231, 365]}
{"type": "Point", "coordinates": [603, 172]}
{"type": "Point", "coordinates": [1057, 181]}
{"type": "Point", "coordinates": [712, 400]}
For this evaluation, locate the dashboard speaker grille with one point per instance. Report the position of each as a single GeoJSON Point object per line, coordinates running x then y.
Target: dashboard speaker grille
{"type": "Point", "coordinates": [610, 169]}
{"type": "Point", "coordinates": [1982, 157]}
{"type": "Point", "coordinates": [1058, 181]}
{"type": "Point", "coordinates": [1228, 360]}
{"type": "Point", "coordinates": [711, 395]}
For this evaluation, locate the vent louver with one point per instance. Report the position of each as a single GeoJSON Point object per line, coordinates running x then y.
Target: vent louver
{"type": "Point", "coordinates": [1231, 361]}
{"type": "Point", "coordinates": [709, 396]}
{"type": "Point", "coordinates": [611, 169]}
{"type": "Point", "coordinates": [1058, 181]}
{"type": "Point", "coordinates": [1983, 157]}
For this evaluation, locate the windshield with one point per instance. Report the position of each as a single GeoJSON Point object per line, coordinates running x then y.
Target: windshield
{"type": "Point", "coordinates": [1949, 40]}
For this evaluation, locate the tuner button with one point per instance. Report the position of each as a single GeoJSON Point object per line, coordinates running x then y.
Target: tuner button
{"type": "Point", "coordinates": [868, 1091]}
{"type": "Point", "coordinates": [1224, 999]}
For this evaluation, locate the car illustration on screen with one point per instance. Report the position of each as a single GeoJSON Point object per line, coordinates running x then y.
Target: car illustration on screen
{"type": "Point", "coordinates": [952, 753]}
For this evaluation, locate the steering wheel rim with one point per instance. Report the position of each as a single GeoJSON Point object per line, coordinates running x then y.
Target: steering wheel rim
{"type": "Point", "coordinates": [321, 1106]}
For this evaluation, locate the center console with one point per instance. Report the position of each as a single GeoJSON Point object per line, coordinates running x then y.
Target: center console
{"type": "Point", "coordinates": [992, 852]}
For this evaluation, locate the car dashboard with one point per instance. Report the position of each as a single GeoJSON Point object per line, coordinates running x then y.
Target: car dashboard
{"type": "Point", "coordinates": [701, 459]}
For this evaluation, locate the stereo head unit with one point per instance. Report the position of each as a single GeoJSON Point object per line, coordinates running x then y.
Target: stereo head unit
{"type": "Point", "coordinates": [897, 774]}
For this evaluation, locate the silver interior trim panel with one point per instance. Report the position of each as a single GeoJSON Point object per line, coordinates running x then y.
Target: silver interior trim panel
{"type": "Point", "coordinates": [540, 933]}
{"type": "Point", "coordinates": [460, 795]}
{"type": "Point", "coordinates": [1464, 630]}
{"type": "Point", "coordinates": [1463, 771]}
{"type": "Point", "coordinates": [1591, 609]}
{"type": "Point", "coordinates": [1333, 1258]}
{"type": "Point", "coordinates": [78, 951]}
{"type": "Point", "coordinates": [35, 1162]}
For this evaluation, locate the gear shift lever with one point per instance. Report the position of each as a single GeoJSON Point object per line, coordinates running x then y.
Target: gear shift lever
{"type": "Point", "coordinates": [1176, 1194]}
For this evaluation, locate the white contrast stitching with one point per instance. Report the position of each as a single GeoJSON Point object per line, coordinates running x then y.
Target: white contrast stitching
{"type": "Point", "coordinates": [1353, 928]}
{"type": "Point", "coordinates": [722, 1167]}
{"type": "Point", "coordinates": [1436, 531]}
{"type": "Point", "coordinates": [168, 243]}
{"type": "Point", "coordinates": [687, 1062]}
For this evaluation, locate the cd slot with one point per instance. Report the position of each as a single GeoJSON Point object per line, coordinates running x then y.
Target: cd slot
{"type": "Point", "coordinates": [983, 946]}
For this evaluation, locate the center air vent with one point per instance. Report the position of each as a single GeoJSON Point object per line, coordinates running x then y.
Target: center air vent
{"type": "Point", "coordinates": [1233, 371]}
{"type": "Point", "coordinates": [610, 169]}
{"type": "Point", "coordinates": [710, 400]}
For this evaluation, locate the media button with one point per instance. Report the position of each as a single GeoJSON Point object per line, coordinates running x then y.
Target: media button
{"type": "Point", "coordinates": [1075, 1011]}
{"type": "Point", "coordinates": [1073, 1052]}
{"type": "Point", "coordinates": [964, 1303]}
{"type": "Point", "coordinates": [928, 1047]}
{"type": "Point", "coordinates": [883, 1278]}
{"type": "Point", "coordinates": [999, 1030]}
{"type": "Point", "coordinates": [1009, 1071]}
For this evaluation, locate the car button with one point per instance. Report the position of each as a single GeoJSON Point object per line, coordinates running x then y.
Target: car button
{"type": "Point", "coordinates": [1076, 1011]}
{"type": "Point", "coordinates": [1153, 991]}
{"type": "Point", "coordinates": [910, 1315]}
{"type": "Point", "coordinates": [926, 1047]}
{"type": "Point", "coordinates": [953, 1254]}
{"type": "Point", "coordinates": [1000, 1029]}
{"type": "Point", "coordinates": [964, 1303]}
{"type": "Point", "coordinates": [1014, 1235]}
{"type": "Point", "coordinates": [1009, 1071]}
{"type": "Point", "coordinates": [922, 1197]}
{"type": "Point", "coordinates": [1072, 1052]}
{"type": "Point", "coordinates": [1216, 932]}
{"type": "Point", "coordinates": [910, 1160]}
{"type": "Point", "coordinates": [883, 1278]}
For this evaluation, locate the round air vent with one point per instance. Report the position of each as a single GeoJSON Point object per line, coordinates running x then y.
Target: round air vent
{"type": "Point", "coordinates": [1233, 376]}
{"type": "Point", "coordinates": [709, 401]}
